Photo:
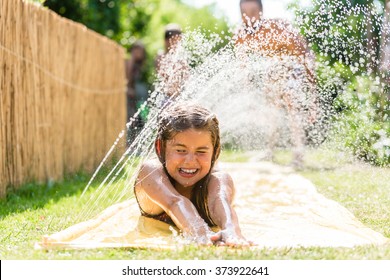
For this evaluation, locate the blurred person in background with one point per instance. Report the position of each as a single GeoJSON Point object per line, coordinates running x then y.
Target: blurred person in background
{"type": "Point", "coordinates": [137, 90]}
{"type": "Point", "coordinates": [171, 68]}
{"type": "Point", "coordinates": [278, 38]}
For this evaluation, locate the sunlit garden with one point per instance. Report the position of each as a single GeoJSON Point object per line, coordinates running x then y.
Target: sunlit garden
{"type": "Point", "coordinates": [84, 90]}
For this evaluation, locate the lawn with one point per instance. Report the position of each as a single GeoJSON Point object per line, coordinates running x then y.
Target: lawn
{"type": "Point", "coordinates": [38, 209]}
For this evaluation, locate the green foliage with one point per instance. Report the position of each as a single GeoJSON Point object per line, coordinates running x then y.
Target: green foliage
{"type": "Point", "coordinates": [126, 21]}
{"type": "Point", "coordinates": [345, 36]}
{"type": "Point", "coordinates": [71, 9]}
{"type": "Point", "coordinates": [103, 16]}
{"type": "Point", "coordinates": [146, 19]}
{"type": "Point", "coordinates": [363, 122]}
{"type": "Point", "coordinates": [338, 30]}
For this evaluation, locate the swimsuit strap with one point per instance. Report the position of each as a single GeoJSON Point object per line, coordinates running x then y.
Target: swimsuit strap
{"type": "Point", "coordinates": [199, 198]}
{"type": "Point", "coordinates": [163, 217]}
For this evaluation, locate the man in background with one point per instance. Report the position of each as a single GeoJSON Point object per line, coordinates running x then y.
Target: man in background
{"type": "Point", "coordinates": [277, 38]}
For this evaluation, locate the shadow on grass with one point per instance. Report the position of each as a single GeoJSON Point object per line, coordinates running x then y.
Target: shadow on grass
{"type": "Point", "coordinates": [34, 196]}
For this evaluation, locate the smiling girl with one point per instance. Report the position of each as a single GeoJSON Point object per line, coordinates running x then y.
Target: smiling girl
{"type": "Point", "coordinates": [183, 187]}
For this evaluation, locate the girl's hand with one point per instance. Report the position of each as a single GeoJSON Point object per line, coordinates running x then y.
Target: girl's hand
{"type": "Point", "coordinates": [230, 238]}
{"type": "Point", "coordinates": [201, 235]}
{"type": "Point", "coordinates": [203, 240]}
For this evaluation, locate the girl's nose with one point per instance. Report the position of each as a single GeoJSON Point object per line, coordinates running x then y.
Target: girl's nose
{"type": "Point", "coordinates": [190, 157]}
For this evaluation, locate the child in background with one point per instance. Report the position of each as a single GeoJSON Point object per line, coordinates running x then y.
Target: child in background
{"type": "Point", "coordinates": [137, 90]}
{"type": "Point", "coordinates": [183, 187]}
{"type": "Point", "coordinates": [171, 69]}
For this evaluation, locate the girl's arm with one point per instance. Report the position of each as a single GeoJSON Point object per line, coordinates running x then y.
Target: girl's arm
{"type": "Point", "coordinates": [220, 198]}
{"type": "Point", "coordinates": [154, 183]}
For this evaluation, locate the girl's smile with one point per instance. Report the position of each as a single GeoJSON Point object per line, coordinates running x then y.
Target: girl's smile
{"type": "Point", "coordinates": [185, 172]}
{"type": "Point", "coordinates": [188, 156]}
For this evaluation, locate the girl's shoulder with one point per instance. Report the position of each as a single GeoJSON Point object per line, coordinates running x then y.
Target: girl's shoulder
{"type": "Point", "coordinates": [153, 162]}
{"type": "Point", "coordinates": [221, 180]}
{"type": "Point", "coordinates": [218, 174]}
{"type": "Point", "coordinates": [151, 166]}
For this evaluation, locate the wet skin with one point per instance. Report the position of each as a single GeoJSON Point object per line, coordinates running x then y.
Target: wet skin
{"type": "Point", "coordinates": [188, 157]}
{"type": "Point", "coordinates": [188, 160]}
{"type": "Point", "coordinates": [274, 37]}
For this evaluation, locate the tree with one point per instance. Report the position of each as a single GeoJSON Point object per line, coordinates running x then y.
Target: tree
{"type": "Point", "coordinates": [351, 41]}
{"type": "Point", "coordinates": [126, 21]}
{"type": "Point", "coordinates": [103, 16]}
{"type": "Point", "coordinates": [70, 9]}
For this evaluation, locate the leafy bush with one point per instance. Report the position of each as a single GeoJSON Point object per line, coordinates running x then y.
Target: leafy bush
{"type": "Point", "coordinates": [362, 124]}
{"type": "Point", "coordinates": [346, 37]}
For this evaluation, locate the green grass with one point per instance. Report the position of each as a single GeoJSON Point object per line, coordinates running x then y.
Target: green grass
{"type": "Point", "coordinates": [39, 209]}
{"type": "Point", "coordinates": [233, 156]}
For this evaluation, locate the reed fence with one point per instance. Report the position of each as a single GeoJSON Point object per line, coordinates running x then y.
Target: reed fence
{"type": "Point", "coordinates": [62, 95]}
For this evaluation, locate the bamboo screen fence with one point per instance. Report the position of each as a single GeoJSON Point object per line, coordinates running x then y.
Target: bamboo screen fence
{"type": "Point", "coordinates": [62, 97]}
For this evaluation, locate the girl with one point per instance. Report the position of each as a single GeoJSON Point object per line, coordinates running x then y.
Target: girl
{"type": "Point", "coordinates": [182, 187]}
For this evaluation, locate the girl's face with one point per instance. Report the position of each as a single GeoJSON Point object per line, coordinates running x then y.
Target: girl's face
{"type": "Point", "coordinates": [188, 156]}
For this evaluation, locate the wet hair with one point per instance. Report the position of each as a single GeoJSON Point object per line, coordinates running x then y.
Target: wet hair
{"type": "Point", "coordinates": [257, 1]}
{"type": "Point", "coordinates": [181, 117]}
